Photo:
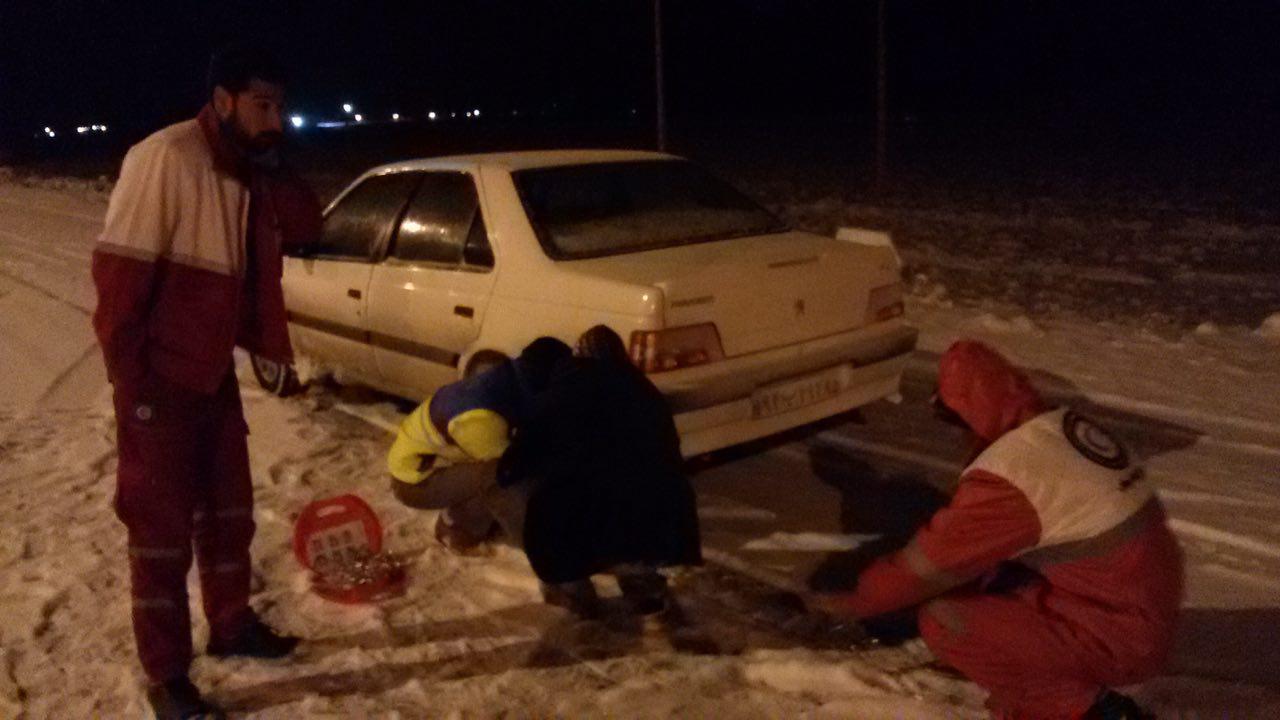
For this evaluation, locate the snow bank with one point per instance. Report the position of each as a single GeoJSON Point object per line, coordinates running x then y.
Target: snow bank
{"type": "Point", "coordinates": [101, 185]}
{"type": "Point", "coordinates": [1207, 329]}
{"type": "Point", "coordinates": [888, 684]}
{"type": "Point", "coordinates": [809, 542]}
{"type": "Point", "coordinates": [1270, 328]}
{"type": "Point", "coordinates": [1017, 325]}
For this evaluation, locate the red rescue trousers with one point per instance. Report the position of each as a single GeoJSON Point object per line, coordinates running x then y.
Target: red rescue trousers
{"type": "Point", "coordinates": [1036, 663]}
{"type": "Point", "coordinates": [183, 480]}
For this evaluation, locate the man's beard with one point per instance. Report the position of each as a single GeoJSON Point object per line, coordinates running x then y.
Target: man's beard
{"type": "Point", "coordinates": [260, 149]}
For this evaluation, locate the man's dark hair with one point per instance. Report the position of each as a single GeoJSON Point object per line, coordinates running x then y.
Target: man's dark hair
{"type": "Point", "coordinates": [602, 343]}
{"type": "Point", "coordinates": [541, 360]}
{"type": "Point", "coordinates": [232, 67]}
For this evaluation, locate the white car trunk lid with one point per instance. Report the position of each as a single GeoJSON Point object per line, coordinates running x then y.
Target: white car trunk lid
{"type": "Point", "coordinates": [761, 292]}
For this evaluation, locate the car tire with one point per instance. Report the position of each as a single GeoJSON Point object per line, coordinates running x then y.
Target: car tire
{"type": "Point", "coordinates": [279, 379]}
{"type": "Point", "coordinates": [482, 361]}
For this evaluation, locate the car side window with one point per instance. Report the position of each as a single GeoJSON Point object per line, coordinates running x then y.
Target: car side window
{"type": "Point", "coordinates": [439, 219]}
{"type": "Point", "coordinates": [362, 219]}
{"type": "Point", "coordinates": [478, 253]}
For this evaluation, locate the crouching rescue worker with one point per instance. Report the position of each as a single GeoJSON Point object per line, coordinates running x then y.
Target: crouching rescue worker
{"type": "Point", "coordinates": [187, 267]}
{"type": "Point", "coordinates": [600, 457]}
{"type": "Point", "coordinates": [445, 455]}
{"type": "Point", "coordinates": [1098, 573]}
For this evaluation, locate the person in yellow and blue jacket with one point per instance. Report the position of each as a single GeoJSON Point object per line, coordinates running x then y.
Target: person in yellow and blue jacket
{"type": "Point", "coordinates": [445, 455]}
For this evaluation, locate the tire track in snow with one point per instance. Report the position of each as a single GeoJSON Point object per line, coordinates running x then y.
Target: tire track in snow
{"type": "Point", "coordinates": [81, 217]}
{"type": "Point", "coordinates": [922, 369]}
{"type": "Point", "coordinates": [1184, 528]}
{"type": "Point", "coordinates": [65, 377]}
{"type": "Point", "coordinates": [47, 293]}
{"type": "Point", "coordinates": [1209, 534]}
{"type": "Point", "coordinates": [45, 251]}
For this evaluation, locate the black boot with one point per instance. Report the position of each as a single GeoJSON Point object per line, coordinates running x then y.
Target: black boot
{"type": "Point", "coordinates": [461, 540]}
{"type": "Point", "coordinates": [1111, 705]}
{"type": "Point", "coordinates": [178, 699]}
{"type": "Point", "coordinates": [256, 640]}
{"type": "Point", "coordinates": [645, 591]}
{"type": "Point", "coordinates": [578, 597]}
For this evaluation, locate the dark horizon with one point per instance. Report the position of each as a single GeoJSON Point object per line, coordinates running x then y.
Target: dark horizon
{"type": "Point", "coordinates": [142, 64]}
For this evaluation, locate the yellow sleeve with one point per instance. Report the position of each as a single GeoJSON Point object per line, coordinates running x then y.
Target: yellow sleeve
{"type": "Point", "coordinates": [481, 434]}
{"type": "Point", "coordinates": [413, 441]}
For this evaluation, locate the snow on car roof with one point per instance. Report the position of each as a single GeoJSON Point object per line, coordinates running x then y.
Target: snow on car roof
{"type": "Point", "coordinates": [512, 161]}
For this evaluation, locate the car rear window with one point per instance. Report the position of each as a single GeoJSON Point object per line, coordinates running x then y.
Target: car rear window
{"type": "Point", "coordinates": [583, 211]}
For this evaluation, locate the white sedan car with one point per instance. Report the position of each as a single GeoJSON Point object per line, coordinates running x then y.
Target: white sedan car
{"type": "Point", "coordinates": [430, 270]}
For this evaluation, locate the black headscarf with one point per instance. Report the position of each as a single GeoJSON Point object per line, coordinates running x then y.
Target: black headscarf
{"type": "Point", "coordinates": [539, 362]}
{"type": "Point", "coordinates": [602, 343]}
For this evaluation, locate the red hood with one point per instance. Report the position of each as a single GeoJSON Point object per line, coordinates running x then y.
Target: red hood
{"type": "Point", "coordinates": [992, 396]}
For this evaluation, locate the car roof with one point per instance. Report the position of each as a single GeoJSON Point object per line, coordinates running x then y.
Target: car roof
{"type": "Point", "coordinates": [513, 161]}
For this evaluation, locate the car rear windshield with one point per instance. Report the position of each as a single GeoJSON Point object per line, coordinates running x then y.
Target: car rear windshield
{"type": "Point", "coordinates": [583, 211]}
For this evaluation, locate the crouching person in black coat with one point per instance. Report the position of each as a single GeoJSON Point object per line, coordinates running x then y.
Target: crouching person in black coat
{"type": "Point", "coordinates": [601, 457]}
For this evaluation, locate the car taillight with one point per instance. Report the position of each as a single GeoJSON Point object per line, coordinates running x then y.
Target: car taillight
{"type": "Point", "coordinates": [885, 303]}
{"type": "Point", "coordinates": [655, 351]}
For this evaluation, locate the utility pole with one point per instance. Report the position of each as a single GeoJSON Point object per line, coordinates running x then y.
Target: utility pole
{"type": "Point", "coordinates": [882, 98]}
{"type": "Point", "coordinates": [660, 92]}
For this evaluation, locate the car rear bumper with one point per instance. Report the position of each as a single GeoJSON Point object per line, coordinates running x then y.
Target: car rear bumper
{"type": "Point", "coordinates": [720, 405]}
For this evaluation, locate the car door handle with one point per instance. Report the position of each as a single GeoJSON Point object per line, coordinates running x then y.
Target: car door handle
{"type": "Point", "coordinates": [464, 311]}
{"type": "Point", "coordinates": [354, 294]}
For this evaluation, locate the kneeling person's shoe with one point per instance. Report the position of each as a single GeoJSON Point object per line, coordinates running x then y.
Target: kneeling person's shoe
{"type": "Point", "coordinates": [460, 540]}
{"type": "Point", "coordinates": [256, 640]}
{"type": "Point", "coordinates": [578, 597]}
{"type": "Point", "coordinates": [1111, 705]}
{"type": "Point", "coordinates": [645, 593]}
{"type": "Point", "coordinates": [178, 699]}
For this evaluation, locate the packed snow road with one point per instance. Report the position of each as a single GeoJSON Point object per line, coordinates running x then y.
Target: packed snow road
{"type": "Point", "coordinates": [471, 639]}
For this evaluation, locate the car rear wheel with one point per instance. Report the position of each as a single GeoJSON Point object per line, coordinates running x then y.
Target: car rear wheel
{"type": "Point", "coordinates": [279, 379]}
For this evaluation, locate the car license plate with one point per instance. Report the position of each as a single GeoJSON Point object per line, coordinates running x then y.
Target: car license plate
{"type": "Point", "coordinates": [792, 394]}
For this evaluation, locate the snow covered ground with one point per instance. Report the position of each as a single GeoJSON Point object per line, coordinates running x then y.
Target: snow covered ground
{"type": "Point", "coordinates": [471, 638]}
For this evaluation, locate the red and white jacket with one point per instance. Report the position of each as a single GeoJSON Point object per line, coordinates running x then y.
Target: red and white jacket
{"type": "Point", "coordinates": [1052, 490]}
{"type": "Point", "coordinates": [177, 287]}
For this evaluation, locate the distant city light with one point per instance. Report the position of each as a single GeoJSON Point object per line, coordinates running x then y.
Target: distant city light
{"type": "Point", "coordinates": [395, 116]}
{"type": "Point", "coordinates": [477, 112]}
{"type": "Point", "coordinates": [468, 113]}
{"type": "Point", "coordinates": [431, 115]}
{"type": "Point", "coordinates": [297, 120]}
{"type": "Point", "coordinates": [330, 124]}
{"type": "Point", "coordinates": [358, 117]}
{"type": "Point", "coordinates": [82, 130]}
{"type": "Point", "coordinates": [453, 114]}
{"type": "Point", "coordinates": [346, 108]}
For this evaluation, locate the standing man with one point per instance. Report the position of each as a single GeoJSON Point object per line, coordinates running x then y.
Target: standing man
{"type": "Point", "coordinates": [188, 266]}
{"type": "Point", "coordinates": [1052, 575]}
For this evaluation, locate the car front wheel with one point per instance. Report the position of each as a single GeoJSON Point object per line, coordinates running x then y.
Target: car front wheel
{"type": "Point", "coordinates": [279, 379]}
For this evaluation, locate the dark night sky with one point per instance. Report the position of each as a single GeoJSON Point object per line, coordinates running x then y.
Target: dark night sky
{"type": "Point", "coordinates": [141, 63]}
